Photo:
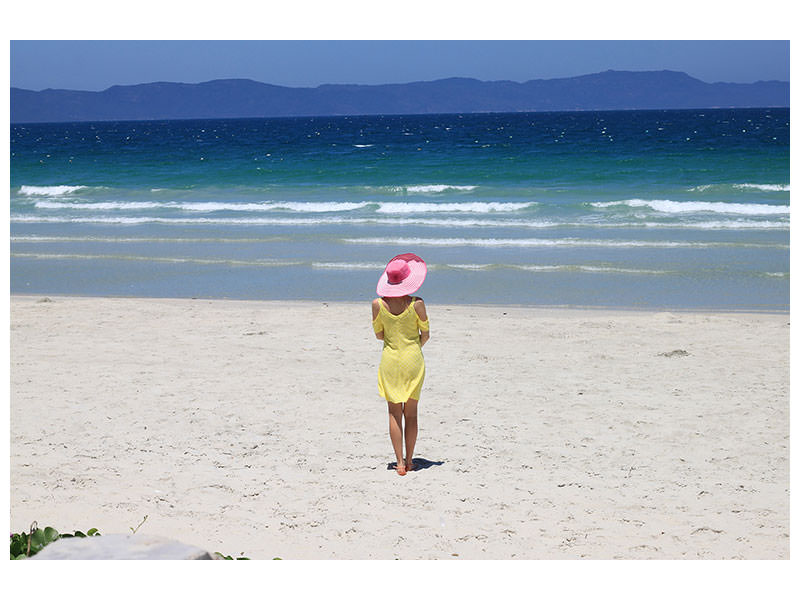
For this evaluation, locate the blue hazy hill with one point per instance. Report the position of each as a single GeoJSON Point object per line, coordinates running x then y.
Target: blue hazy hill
{"type": "Point", "coordinates": [234, 98]}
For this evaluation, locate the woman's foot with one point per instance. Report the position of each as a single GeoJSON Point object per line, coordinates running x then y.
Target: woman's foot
{"type": "Point", "coordinates": [401, 469]}
{"type": "Point", "coordinates": [410, 466]}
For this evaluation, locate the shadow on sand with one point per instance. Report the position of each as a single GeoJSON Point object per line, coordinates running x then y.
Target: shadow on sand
{"type": "Point", "coordinates": [419, 464]}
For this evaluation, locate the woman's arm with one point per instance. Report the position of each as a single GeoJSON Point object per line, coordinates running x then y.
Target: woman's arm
{"type": "Point", "coordinates": [424, 336]}
{"type": "Point", "coordinates": [422, 313]}
{"type": "Point", "coordinates": [376, 307]}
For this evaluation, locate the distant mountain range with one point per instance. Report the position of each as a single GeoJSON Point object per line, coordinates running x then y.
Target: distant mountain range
{"type": "Point", "coordinates": [238, 98]}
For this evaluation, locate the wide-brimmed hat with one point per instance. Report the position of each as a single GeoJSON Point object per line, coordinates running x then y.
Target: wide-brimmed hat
{"type": "Point", "coordinates": [402, 276]}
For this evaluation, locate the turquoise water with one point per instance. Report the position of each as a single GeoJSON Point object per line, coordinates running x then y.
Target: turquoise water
{"type": "Point", "coordinates": [651, 209]}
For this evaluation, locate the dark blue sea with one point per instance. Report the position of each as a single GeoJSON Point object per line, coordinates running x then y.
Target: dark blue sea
{"type": "Point", "coordinates": [635, 209]}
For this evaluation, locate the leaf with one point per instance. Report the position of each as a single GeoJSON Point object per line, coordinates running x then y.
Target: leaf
{"type": "Point", "coordinates": [80, 534]}
{"type": "Point", "coordinates": [37, 541]}
{"type": "Point", "coordinates": [92, 531]}
{"type": "Point", "coordinates": [50, 534]}
{"type": "Point", "coordinates": [18, 546]}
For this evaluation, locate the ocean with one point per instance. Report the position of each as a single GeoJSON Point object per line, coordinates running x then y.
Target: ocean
{"type": "Point", "coordinates": [672, 209]}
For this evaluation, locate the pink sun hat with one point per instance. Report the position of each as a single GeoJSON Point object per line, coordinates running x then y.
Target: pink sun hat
{"type": "Point", "coordinates": [402, 276]}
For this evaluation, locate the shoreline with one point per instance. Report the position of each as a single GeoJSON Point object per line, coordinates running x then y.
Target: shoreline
{"type": "Point", "coordinates": [254, 427]}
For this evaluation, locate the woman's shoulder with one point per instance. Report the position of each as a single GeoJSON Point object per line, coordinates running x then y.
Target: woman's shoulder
{"type": "Point", "coordinates": [419, 306]}
{"type": "Point", "coordinates": [376, 307]}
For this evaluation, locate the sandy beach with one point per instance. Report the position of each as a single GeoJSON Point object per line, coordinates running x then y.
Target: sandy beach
{"type": "Point", "coordinates": [255, 428]}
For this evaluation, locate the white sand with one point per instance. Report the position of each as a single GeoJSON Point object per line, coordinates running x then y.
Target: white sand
{"type": "Point", "coordinates": [256, 428]}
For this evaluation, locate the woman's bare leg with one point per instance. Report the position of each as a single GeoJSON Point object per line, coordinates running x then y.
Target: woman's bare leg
{"type": "Point", "coordinates": [410, 414]}
{"type": "Point", "coordinates": [396, 434]}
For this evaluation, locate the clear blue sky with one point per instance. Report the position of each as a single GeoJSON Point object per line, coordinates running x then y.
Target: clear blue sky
{"type": "Point", "coordinates": [96, 65]}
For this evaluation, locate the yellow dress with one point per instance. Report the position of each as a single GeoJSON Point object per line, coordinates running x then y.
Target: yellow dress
{"type": "Point", "coordinates": [402, 368]}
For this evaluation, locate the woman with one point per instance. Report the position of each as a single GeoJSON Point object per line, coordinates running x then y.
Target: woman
{"type": "Point", "coordinates": [401, 321]}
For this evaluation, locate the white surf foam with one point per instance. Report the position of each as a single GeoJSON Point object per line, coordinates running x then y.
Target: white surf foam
{"type": "Point", "coordinates": [305, 207]}
{"type": "Point", "coordinates": [762, 187]}
{"type": "Point", "coordinates": [148, 239]}
{"type": "Point", "coordinates": [389, 221]}
{"type": "Point", "coordinates": [673, 207]}
{"type": "Point", "coordinates": [554, 268]}
{"type": "Point", "coordinates": [50, 190]}
{"type": "Point", "coordinates": [469, 266]}
{"type": "Point", "coordinates": [592, 269]}
{"type": "Point", "coordinates": [425, 188]}
{"type": "Point", "coordinates": [438, 188]}
{"type": "Point", "coordinates": [451, 207]}
{"type": "Point", "coordinates": [159, 259]}
{"type": "Point", "coordinates": [344, 266]}
{"type": "Point", "coordinates": [732, 224]}
{"type": "Point", "coordinates": [98, 205]}
{"type": "Point", "coordinates": [539, 242]}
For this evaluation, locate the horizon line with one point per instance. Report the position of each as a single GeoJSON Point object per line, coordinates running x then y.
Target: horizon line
{"type": "Point", "coordinates": [220, 79]}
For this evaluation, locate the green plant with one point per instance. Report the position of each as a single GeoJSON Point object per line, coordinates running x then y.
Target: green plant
{"type": "Point", "coordinates": [139, 525]}
{"type": "Point", "coordinates": [229, 557]}
{"type": "Point", "coordinates": [27, 544]}
{"type": "Point", "coordinates": [92, 532]}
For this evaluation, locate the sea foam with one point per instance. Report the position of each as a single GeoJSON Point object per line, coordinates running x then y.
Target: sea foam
{"type": "Point", "coordinates": [544, 242]}
{"type": "Point", "coordinates": [459, 223]}
{"type": "Point", "coordinates": [552, 268]}
{"type": "Point", "coordinates": [764, 187]}
{"type": "Point", "coordinates": [438, 188]}
{"type": "Point", "coordinates": [452, 207]}
{"type": "Point", "coordinates": [49, 190]}
{"type": "Point", "coordinates": [200, 207]}
{"type": "Point", "coordinates": [427, 188]}
{"type": "Point", "coordinates": [348, 266]}
{"type": "Point", "coordinates": [305, 207]}
{"type": "Point", "coordinates": [761, 187]}
{"type": "Point", "coordinates": [673, 207]}
{"type": "Point", "coordinates": [98, 205]}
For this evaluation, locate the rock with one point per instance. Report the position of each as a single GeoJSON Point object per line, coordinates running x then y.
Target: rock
{"type": "Point", "coordinates": [120, 547]}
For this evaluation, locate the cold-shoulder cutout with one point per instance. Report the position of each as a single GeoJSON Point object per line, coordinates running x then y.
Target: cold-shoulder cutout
{"type": "Point", "coordinates": [419, 306]}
